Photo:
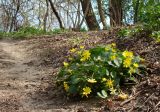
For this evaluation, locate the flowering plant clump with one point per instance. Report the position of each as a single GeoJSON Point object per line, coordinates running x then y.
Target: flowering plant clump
{"type": "Point", "coordinates": [99, 70]}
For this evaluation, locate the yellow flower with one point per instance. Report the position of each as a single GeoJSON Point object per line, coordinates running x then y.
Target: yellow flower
{"type": "Point", "coordinates": [82, 47]}
{"type": "Point", "coordinates": [70, 58]}
{"type": "Point", "coordinates": [127, 54]}
{"type": "Point", "coordinates": [85, 55]}
{"type": "Point", "coordinates": [113, 91]}
{"type": "Point", "coordinates": [104, 79]}
{"type": "Point", "coordinates": [66, 87]}
{"type": "Point", "coordinates": [113, 44]}
{"type": "Point", "coordinates": [132, 70]}
{"type": "Point", "coordinates": [91, 80]}
{"type": "Point", "coordinates": [127, 62]}
{"type": "Point", "coordinates": [113, 57]}
{"type": "Point", "coordinates": [109, 83]}
{"type": "Point", "coordinates": [86, 91]}
{"type": "Point", "coordinates": [135, 65]}
{"type": "Point", "coordinates": [65, 64]}
{"type": "Point", "coordinates": [114, 50]}
{"type": "Point", "coordinates": [73, 50]}
{"type": "Point", "coordinates": [107, 48]}
{"type": "Point", "coordinates": [70, 71]}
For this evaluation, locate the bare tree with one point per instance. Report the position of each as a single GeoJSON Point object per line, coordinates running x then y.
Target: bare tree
{"type": "Point", "coordinates": [115, 9]}
{"type": "Point", "coordinates": [90, 16]}
{"type": "Point", "coordinates": [56, 14]}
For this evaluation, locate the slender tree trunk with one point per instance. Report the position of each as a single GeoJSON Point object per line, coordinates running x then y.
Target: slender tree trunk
{"type": "Point", "coordinates": [85, 14]}
{"type": "Point", "coordinates": [45, 17]}
{"type": "Point", "coordinates": [115, 8]}
{"type": "Point", "coordinates": [14, 17]}
{"type": "Point", "coordinates": [39, 16]}
{"type": "Point", "coordinates": [56, 14]}
{"type": "Point", "coordinates": [78, 14]}
{"type": "Point", "coordinates": [101, 13]}
{"type": "Point", "coordinates": [90, 16]}
{"type": "Point", "coordinates": [136, 8]}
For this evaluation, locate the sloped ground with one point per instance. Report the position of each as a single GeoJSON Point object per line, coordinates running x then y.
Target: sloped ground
{"type": "Point", "coordinates": [29, 68]}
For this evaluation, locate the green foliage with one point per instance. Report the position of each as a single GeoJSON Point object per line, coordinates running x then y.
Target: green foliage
{"type": "Point", "coordinates": [26, 32]}
{"type": "Point", "coordinates": [83, 29]}
{"type": "Point", "coordinates": [129, 32]}
{"type": "Point", "coordinates": [58, 31]}
{"type": "Point", "coordinates": [156, 35]}
{"type": "Point", "coordinates": [30, 30]}
{"type": "Point", "coordinates": [150, 14]}
{"type": "Point", "coordinates": [124, 32]}
{"type": "Point", "coordinates": [99, 70]}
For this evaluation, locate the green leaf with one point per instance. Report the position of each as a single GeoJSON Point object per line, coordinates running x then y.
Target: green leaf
{"type": "Point", "coordinates": [103, 94]}
{"type": "Point", "coordinates": [72, 89]}
{"type": "Point", "coordinates": [107, 72]}
{"type": "Point", "coordinates": [110, 63]}
{"type": "Point", "coordinates": [117, 63]}
{"type": "Point", "coordinates": [113, 74]}
{"type": "Point", "coordinates": [75, 81]}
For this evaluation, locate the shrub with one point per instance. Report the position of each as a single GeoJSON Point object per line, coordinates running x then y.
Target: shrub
{"type": "Point", "coordinates": [83, 29]}
{"type": "Point", "coordinates": [100, 69]}
{"type": "Point", "coordinates": [124, 33]}
{"type": "Point", "coordinates": [59, 31]}
{"type": "Point", "coordinates": [130, 32]}
{"type": "Point", "coordinates": [156, 35]}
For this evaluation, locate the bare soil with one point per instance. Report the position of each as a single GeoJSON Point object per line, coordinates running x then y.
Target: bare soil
{"type": "Point", "coordinates": [28, 70]}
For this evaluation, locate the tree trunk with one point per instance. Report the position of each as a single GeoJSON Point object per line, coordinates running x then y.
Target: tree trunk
{"type": "Point", "coordinates": [101, 13]}
{"type": "Point", "coordinates": [56, 14]}
{"type": "Point", "coordinates": [115, 9]}
{"type": "Point", "coordinates": [45, 17]}
{"type": "Point", "coordinates": [14, 17]}
{"type": "Point", "coordinates": [136, 8]}
{"type": "Point", "coordinates": [90, 16]}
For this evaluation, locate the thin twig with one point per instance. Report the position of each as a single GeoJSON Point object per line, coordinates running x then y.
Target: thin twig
{"type": "Point", "coordinates": [155, 106]}
{"type": "Point", "coordinates": [126, 101]}
{"type": "Point", "coordinates": [148, 98]}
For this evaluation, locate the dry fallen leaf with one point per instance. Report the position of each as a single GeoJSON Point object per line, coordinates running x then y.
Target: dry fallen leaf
{"type": "Point", "coordinates": [122, 96]}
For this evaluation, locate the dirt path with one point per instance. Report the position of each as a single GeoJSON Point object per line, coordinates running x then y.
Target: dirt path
{"type": "Point", "coordinates": [18, 78]}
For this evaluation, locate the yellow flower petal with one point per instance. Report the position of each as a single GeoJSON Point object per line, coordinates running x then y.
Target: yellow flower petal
{"type": "Point", "coordinates": [127, 54]}
{"type": "Point", "coordinates": [113, 91]}
{"type": "Point", "coordinates": [127, 62]}
{"type": "Point", "coordinates": [104, 79]}
{"type": "Point", "coordinates": [85, 55]}
{"type": "Point", "coordinates": [73, 50]}
{"type": "Point", "coordinates": [82, 47]}
{"type": "Point", "coordinates": [109, 83]}
{"type": "Point", "coordinates": [113, 44]}
{"type": "Point", "coordinates": [135, 65]}
{"type": "Point", "coordinates": [65, 64]}
{"type": "Point", "coordinates": [113, 57]}
{"type": "Point", "coordinates": [86, 91]}
{"type": "Point", "coordinates": [91, 80]}
{"type": "Point", "coordinates": [70, 71]}
{"type": "Point", "coordinates": [132, 70]}
{"type": "Point", "coordinates": [66, 87]}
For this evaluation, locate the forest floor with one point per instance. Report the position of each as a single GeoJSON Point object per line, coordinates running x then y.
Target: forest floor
{"type": "Point", "coordinates": [28, 69]}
